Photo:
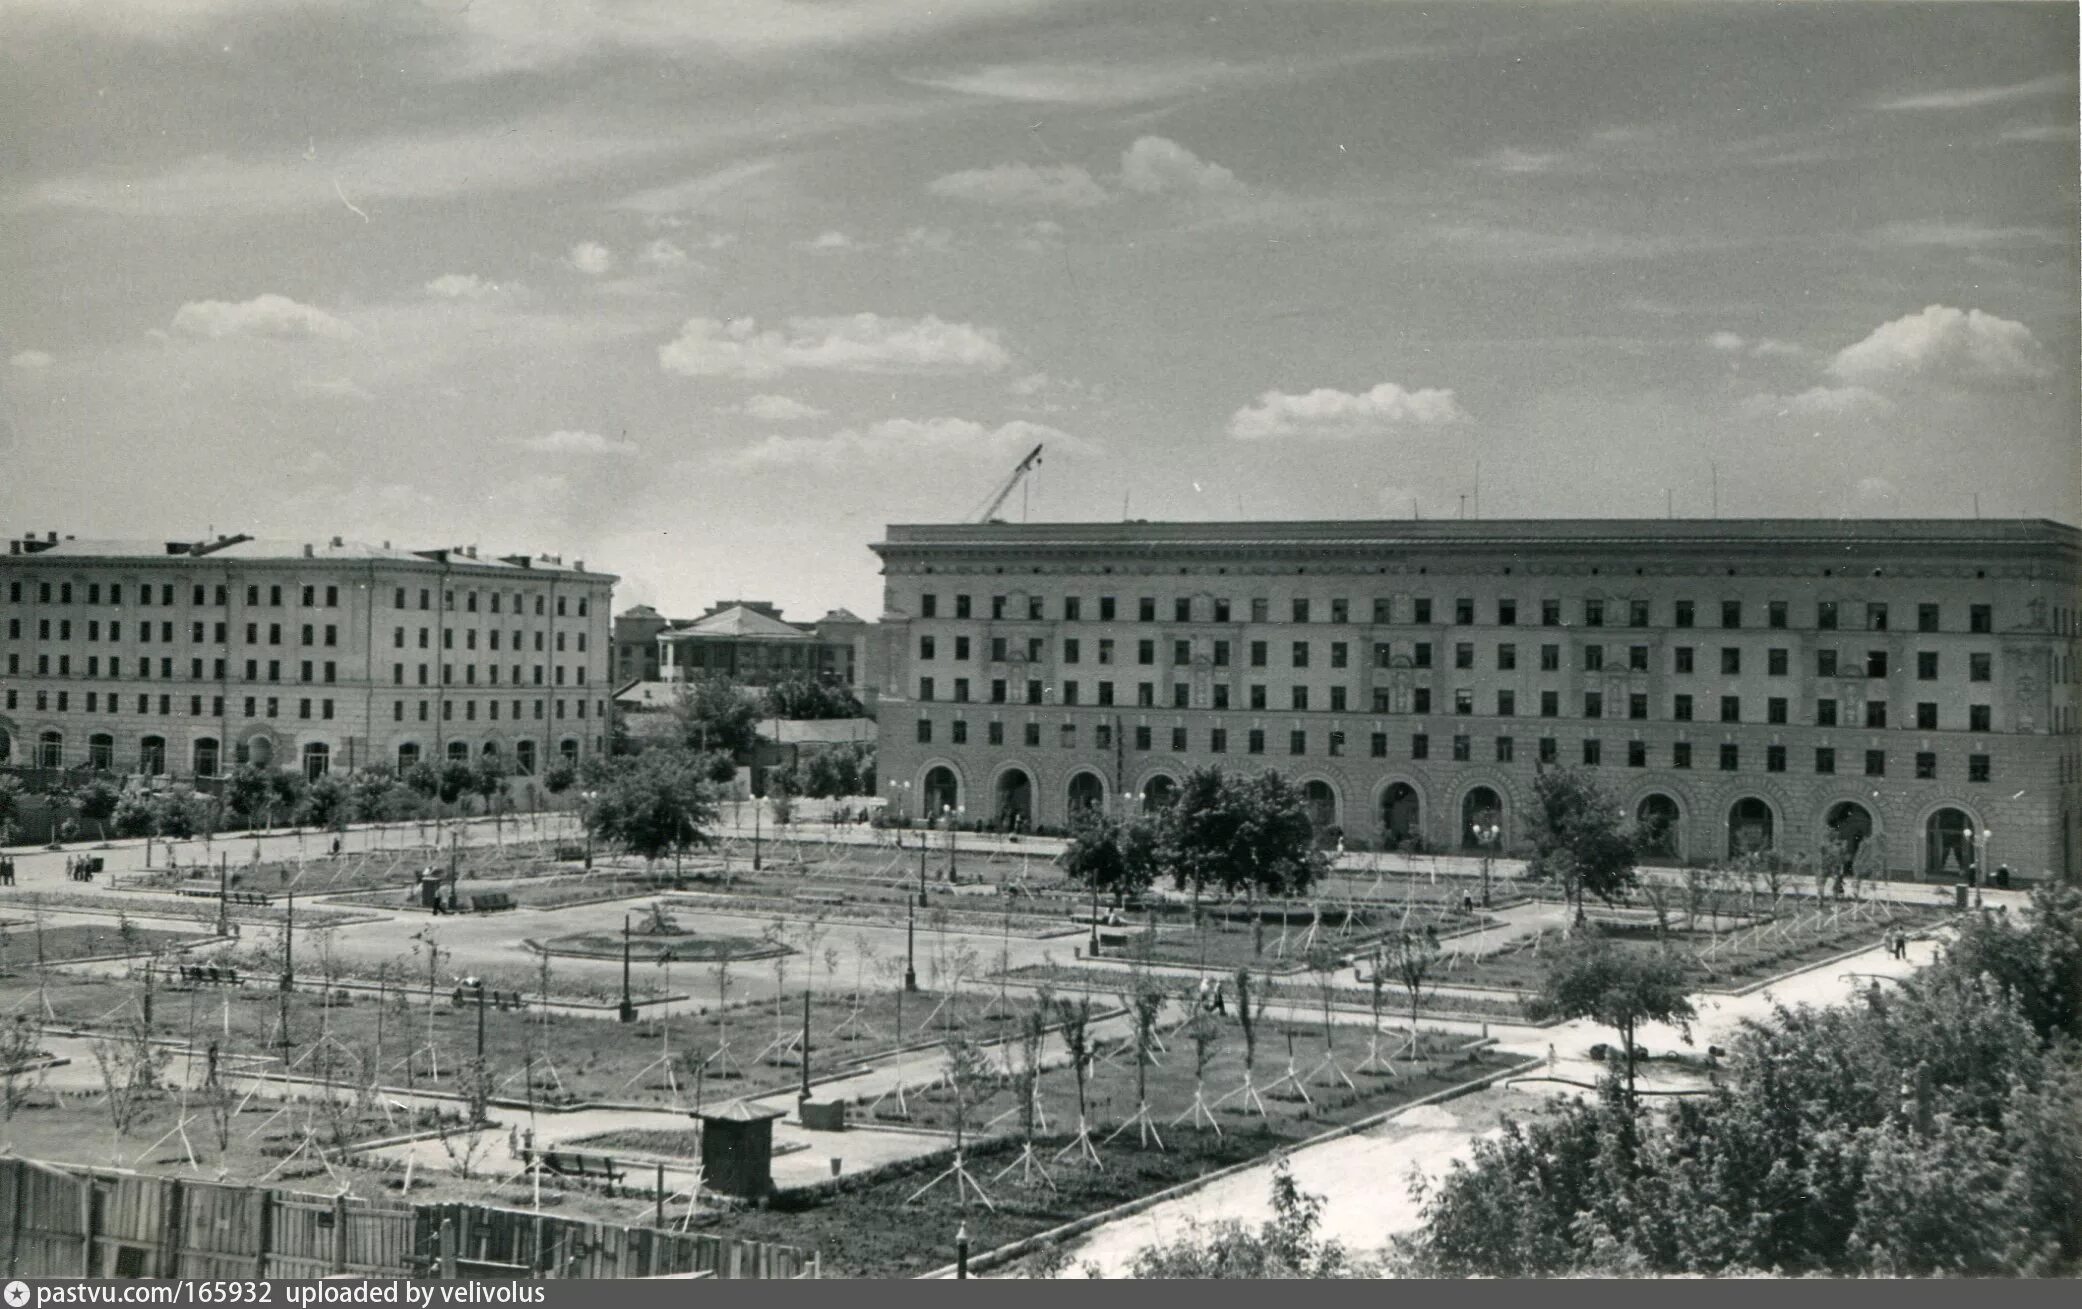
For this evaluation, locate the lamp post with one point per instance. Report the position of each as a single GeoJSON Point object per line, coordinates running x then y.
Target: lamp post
{"type": "Point", "coordinates": [758, 805]}
{"type": "Point", "coordinates": [953, 825]}
{"type": "Point", "coordinates": [1978, 841]}
{"type": "Point", "coordinates": [627, 1012]}
{"type": "Point", "coordinates": [910, 944]}
{"type": "Point", "coordinates": [1487, 835]}
{"type": "Point", "coordinates": [586, 798]}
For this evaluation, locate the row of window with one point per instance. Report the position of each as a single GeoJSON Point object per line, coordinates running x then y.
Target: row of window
{"type": "Point", "coordinates": [94, 702]}
{"type": "Point", "coordinates": [308, 634]}
{"type": "Point", "coordinates": [1418, 700]}
{"type": "Point", "coordinates": [397, 639]}
{"type": "Point", "coordinates": [1593, 612]}
{"type": "Point", "coordinates": [206, 754]}
{"type": "Point", "coordinates": [308, 670]}
{"type": "Point", "coordinates": [312, 596]}
{"type": "Point", "coordinates": [1505, 748]}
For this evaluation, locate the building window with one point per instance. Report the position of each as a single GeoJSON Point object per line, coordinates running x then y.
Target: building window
{"type": "Point", "coordinates": [1875, 617]}
{"type": "Point", "coordinates": [1926, 665]}
{"type": "Point", "coordinates": [1032, 736]}
{"type": "Point", "coordinates": [1594, 658]}
{"type": "Point", "coordinates": [1927, 618]}
{"type": "Point", "coordinates": [1731, 613]}
{"type": "Point", "coordinates": [1069, 693]}
{"type": "Point", "coordinates": [1550, 750]}
{"type": "Point", "coordinates": [1775, 709]}
{"type": "Point", "coordinates": [1422, 655]}
{"type": "Point", "coordinates": [925, 688]}
{"type": "Point", "coordinates": [1593, 704]}
{"type": "Point", "coordinates": [1254, 742]}
{"type": "Point", "coordinates": [1593, 613]}
{"type": "Point", "coordinates": [1297, 742]}
{"type": "Point", "coordinates": [1980, 618]}
{"type": "Point", "coordinates": [1257, 654]}
{"type": "Point", "coordinates": [1422, 612]}
{"type": "Point", "coordinates": [1637, 754]}
{"type": "Point", "coordinates": [1875, 663]}
{"type": "Point", "coordinates": [1926, 766]}
{"type": "Point", "coordinates": [961, 690]}
{"type": "Point", "coordinates": [1926, 715]}
{"type": "Point", "coordinates": [961, 607]}
{"type": "Point", "coordinates": [1731, 757]}
{"type": "Point", "coordinates": [925, 731]}
{"type": "Point", "coordinates": [1550, 613]}
{"type": "Point", "coordinates": [1550, 658]}
{"type": "Point", "coordinates": [1507, 613]}
{"type": "Point", "coordinates": [1875, 763]}
{"type": "Point", "coordinates": [959, 734]}
{"type": "Point", "coordinates": [994, 733]}
{"type": "Point", "coordinates": [1681, 708]}
{"type": "Point", "coordinates": [1977, 718]}
{"type": "Point", "coordinates": [1979, 668]}
{"type": "Point", "coordinates": [1550, 704]}
{"type": "Point", "coordinates": [1775, 613]}
{"type": "Point", "coordinates": [1731, 708]}
{"type": "Point", "coordinates": [1593, 752]}
{"type": "Point", "coordinates": [1637, 704]}
{"type": "Point", "coordinates": [1825, 663]}
{"type": "Point", "coordinates": [1506, 657]}
{"type": "Point", "coordinates": [1683, 657]}
{"type": "Point", "coordinates": [1825, 760]}
{"type": "Point", "coordinates": [1105, 608]}
{"type": "Point", "coordinates": [1637, 613]}
{"type": "Point", "coordinates": [1178, 740]}
{"type": "Point", "coordinates": [1825, 713]}
{"type": "Point", "coordinates": [1681, 754]}
{"type": "Point", "coordinates": [1682, 615]}
{"type": "Point", "coordinates": [1506, 704]}
{"type": "Point", "coordinates": [1300, 653]}
{"type": "Point", "coordinates": [1463, 701]}
{"type": "Point", "coordinates": [1299, 697]}
{"type": "Point", "coordinates": [1377, 745]}
{"type": "Point", "coordinates": [1506, 748]}
{"type": "Point", "coordinates": [1731, 661]}
{"type": "Point", "coordinates": [1420, 746]}
{"type": "Point", "coordinates": [1218, 740]}
{"type": "Point", "coordinates": [1977, 768]}
{"type": "Point", "coordinates": [1776, 661]}
{"type": "Point", "coordinates": [1774, 759]}
{"type": "Point", "coordinates": [1420, 700]}
{"type": "Point", "coordinates": [1875, 713]}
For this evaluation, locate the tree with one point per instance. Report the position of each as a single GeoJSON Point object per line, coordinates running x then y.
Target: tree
{"type": "Point", "coordinates": [248, 791]}
{"type": "Point", "coordinates": [1578, 837]}
{"type": "Point", "coordinates": [1111, 855]}
{"type": "Point", "coordinates": [456, 777]}
{"type": "Point", "coordinates": [11, 792]}
{"type": "Point", "coordinates": [1288, 1245]}
{"type": "Point", "coordinates": [21, 1064]}
{"type": "Point", "coordinates": [1242, 836]}
{"type": "Point", "coordinates": [1619, 989]}
{"type": "Point", "coordinates": [488, 782]}
{"type": "Point", "coordinates": [97, 802]}
{"type": "Point", "coordinates": [715, 713]}
{"type": "Point", "coordinates": [559, 778]}
{"type": "Point", "coordinates": [1412, 956]}
{"type": "Point", "coordinates": [803, 697]}
{"type": "Point", "coordinates": [369, 798]}
{"type": "Point", "coordinates": [1074, 1018]}
{"type": "Point", "coordinates": [2039, 965]}
{"type": "Point", "coordinates": [974, 1080]}
{"type": "Point", "coordinates": [325, 804]}
{"type": "Point", "coordinates": [654, 804]}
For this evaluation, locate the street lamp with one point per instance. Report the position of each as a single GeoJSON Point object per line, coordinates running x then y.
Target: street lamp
{"type": "Point", "coordinates": [1487, 836]}
{"type": "Point", "coordinates": [1978, 841]}
{"type": "Point", "coordinates": [910, 972]}
{"type": "Point", "coordinates": [953, 825]}
{"type": "Point", "coordinates": [586, 798]}
{"type": "Point", "coordinates": [758, 806]}
{"type": "Point", "coordinates": [627, 1012]}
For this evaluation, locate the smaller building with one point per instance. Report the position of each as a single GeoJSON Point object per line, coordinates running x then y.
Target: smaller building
{"type": "Point", "coordinates": [746, 641]}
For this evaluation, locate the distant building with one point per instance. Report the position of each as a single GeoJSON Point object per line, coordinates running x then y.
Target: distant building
{"type": "Point", "coordinates": [186, 658]}
{"type": "Point", "coordinates": [1908, 685]}
{"type": "Point", "coordinates": [746, 641]}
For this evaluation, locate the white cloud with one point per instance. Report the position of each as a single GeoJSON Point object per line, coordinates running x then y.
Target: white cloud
{"type": "Point", "coordinates": [1945, 344]}
{"type": "Point", "coordinates": [2034, 132]}
{"type": "Point", "coordinates": [1042, 237]}
{"type": "Point", "coordinates": [899, 438]}
{"type": "Point", "coordinates": [576, 443]}
{"type": "Point", "coordinates": [1342, 415]}
{"type": "Point", "coordinates": [1817, 402]}
{"type": "Point", "coordinates": [1156, 165]}
{"type": "Point", "coordinates": [264, 315]}
{"type": "Point", "coordinates": [780, 409]}
{"type": "Point", "coordinates": [1111, 82]}
{"type": "Point", "coordinates": [591, 257]}
{"type": "Point", "coordinates": [1729, 341]}
{"type": "Point", "coordinates": [32, 359]}
{"type": "Point", "coordinates": [460, 286]}
{"type": "Point", "coordinates": [832, 242]}
{"type": "Point", "coordinates": [1976, 96]}
{"type": "Point", "coordinates": [1961, 236]}
{"type": "Point", "coordinates": [861, 343]}
{"type": "Point", "coordinates": [1513, 160]}
{"type": "Point", "coordinates": [1763, 348]}
{"type": "Point", "coordinates": [1054, 186]}
{"type": "Point", "coordinates": [662, 253]}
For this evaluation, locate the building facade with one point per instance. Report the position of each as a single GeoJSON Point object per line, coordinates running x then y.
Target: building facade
{"type": "Point", "coordinates": [746, 641]}
{"type": "Point", "coordinates": [187, 658]}
{"type": "Point", "coordinates": [1907, 685]}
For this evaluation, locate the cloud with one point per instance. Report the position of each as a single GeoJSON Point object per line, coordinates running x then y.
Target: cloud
{"type": "Point", "coordinates": [1731, 342]}
{"type": "Point", "coordinates": [780, 409]}
{"type": "Point", "coordinates": [925, 241]}
{"type": "Point", "coordinates": [1109, 83]}
{"type": "Point", "coordinates": [1512, 160]}
{"type": "Point", "coordinates": [591, 257]}
{"type": "Point", "coordinates": [1763, 348]}
{"type": "Point", "coordinates": [1342, 415]}
{"type": "Point", "coordinates": [1960, 236]}
{"type": "Point", "coordinates": [2030, 132]}
{"type": "Point", "coordinates": [1975, 97]}
{"type": "Point", "coordinates": [861, 343]}
{"type": "Point", "coordinates": [662, 253]}
{"type": "Point", "coordinates": [1818, 402]}
{"type": "Point", "coordinates": [1945, 344]}
{"type": "Point", "coordinates": [265, 315]}
{"type": "Point", "coordinates": [460, 286]}
{"type": "Point", "coordinates": [32, 359]}
{"type": "Point", "coordinates": [1156, 165]}
{"type": "Point", "coordinates": [832, 242]}
{"type": "Point", "coordinates": [576, 443]}
{"type": "Point", "coordinates": [1009, 186]}
{"type": "Point", "coordinates": [1043, 237]}
{"type": "Point", "coordinates": [898, 438]}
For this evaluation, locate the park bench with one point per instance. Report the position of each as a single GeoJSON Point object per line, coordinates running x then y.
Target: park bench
{"type": "Point", "coordinates": [209, 975]}
{"type": "Point", "coordinates": [1118, 935]}
{"type": "Point", "coordinates": [581, 1167]}
{"type": "Point", "coordinates": [491, 902]}
{"type": "Point", "coordinates": [974, 888]}
{"type": "Point", "coordinates": [501, 1000]}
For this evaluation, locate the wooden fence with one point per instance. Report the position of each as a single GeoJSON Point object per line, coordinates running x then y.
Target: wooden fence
{"type": "Point", "coordinates": [68, 1221]}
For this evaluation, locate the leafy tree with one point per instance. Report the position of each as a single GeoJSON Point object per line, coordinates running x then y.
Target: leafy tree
{"type": "Point", "coordinates": [973, 1078]}
{"type": "Point", "coordinates": [2040, 965]}
{"type": "Point", "coordinates": [1411, 957]}
{"type": "Point", "coordinates": [1620, 989]}
{"type": "Point", "coordinates": [1242, 836]}
{"type": "Point", "coordinates": [559, 778]}
{"type": "Point", "coordinates": [369, 797]}
{"type": "Point", "coordinates": [1289, 1245]}
{"type": "Point", "coordinates": [289, 791]}
{"type": "Point", "coordinates": [1074, 1018]}
{"type": "Point", "coordinates": [325, 803]}
{"type": "Point", "coordinates": [249, 792]}
{"type": "Point", "coordinates": [1579, 838]}
{"type": "Point", "coordinates": [715, 713]}
{"type": "Point", "coordinates": [654, 804]}
{"type": "Point", "coordinates": [488, 783]}
{"type": "Point", "coordinates": [97, 802]}
{"type": "Point", "coordinates": [456, 779]}
{"type": "Point", "coordinates": [1110, 855]}
{"type": "Point", "coordinates": [804, 697]}
{"type": "Point", "coordinates": [11, 792]}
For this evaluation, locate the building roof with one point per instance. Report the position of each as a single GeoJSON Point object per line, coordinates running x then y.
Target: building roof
{"type": "Point", "coordinates": [738, 621]}
{"type": "Point", "coordinates": [642, 696]}
{"type": "Point", "coordinates": [638, 611]}
{"type": "Point", "coordinates": [840, 616]}
{"type": "Point", "coordinates": [738, 1111]}
{"type": "Point", "coordinates": [817, 731]}
{"type": "Point", "coordinates": [334, 549]}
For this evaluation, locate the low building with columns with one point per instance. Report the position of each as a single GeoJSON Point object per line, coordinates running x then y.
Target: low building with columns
{"type": "Point", "coordinates": [1908, 686]}
{"type": "Point", "coordinates": [186, 658]}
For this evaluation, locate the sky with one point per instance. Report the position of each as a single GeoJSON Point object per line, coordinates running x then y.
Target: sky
{"type": "Point", "coordinates": [706, 292]}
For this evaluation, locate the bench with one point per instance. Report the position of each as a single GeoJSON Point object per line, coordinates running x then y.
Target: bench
{"type": "Point", "coordinates": [253, 898]}
{"type": "Point", "coordinates": [491, 902]}
{"type": "Point", "coordinates": [209, 975]}
{"type": "Point", "coordinates": [463, 996]}
{"type": "Point", "coordinates": [579, 1167]}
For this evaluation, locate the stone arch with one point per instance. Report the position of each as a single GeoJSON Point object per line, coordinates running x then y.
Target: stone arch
{"type": "Point", "coordinates": [940, 786]}
{"type": "Point", "coordinates": [259, 749]}
{"type": "Point", "coordinates": [408, 756]}
{"type": "Point", "coordinates": [151, 755]}
{"type": "Point", "coordinates": [1753, 825]}
{"type": "Point", "coordinates": [205, 756]}
{"type": "Point", "coordinates": [1400, 805]}
{"type": "Point", "coordinates": [1853, 821]}
{"type": "Point", "coordinates": [1012, 790]}
{"type": "Point", "coordinates": [1157, 790]}
{"type": "Point", "coordinates": [1482, 803]}
{"type": "Point", "coordinates": [1085, 790]}
{"type": "Point", "coordinates": [459, 752]}
{"type": "Point", "coordinates": [101, 752]}
{"type": "Point", "coordinates": [1326, 806]}
{"type": "Point", "coordinates": [568, 748]}
{"type": "Point", "coordinates": [1944, 829]}
{"type": "Point", "coordinates": [1659, 819]}
{"type": "Point", "coordinates": [317, 760]}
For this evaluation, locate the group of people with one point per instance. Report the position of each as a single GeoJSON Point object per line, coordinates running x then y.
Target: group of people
{"type": "Point", "coordinates": [78, 868]}
{"type": "Point", "coordinates": [6, 870]}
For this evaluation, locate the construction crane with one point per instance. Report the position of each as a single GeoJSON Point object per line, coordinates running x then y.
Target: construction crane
{"type": "Point", "coordinates": [989, 514]}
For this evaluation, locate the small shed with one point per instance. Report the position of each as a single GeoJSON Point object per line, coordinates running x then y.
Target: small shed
{"type": "Point", "coordinates": [737, 1149]}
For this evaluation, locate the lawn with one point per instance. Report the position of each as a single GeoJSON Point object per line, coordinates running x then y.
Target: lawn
{"type": "Point", "coordinates": [22, 944]}
{"type": "Point", "coordinates": [1297, 988]}
{"type": "Point", "coordinates": [875, 1230]}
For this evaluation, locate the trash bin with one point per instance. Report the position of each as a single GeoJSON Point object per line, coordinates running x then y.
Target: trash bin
{"type": "Point", "coordinates": [1959, 896]}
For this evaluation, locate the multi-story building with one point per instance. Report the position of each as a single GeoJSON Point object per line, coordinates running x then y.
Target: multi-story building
{"type": "Point", "coordinates": [1909, 685]}
{"type": "Point", "coordinates": [746, 641]}
{"type": "Point", "coordinates": [185, 658]}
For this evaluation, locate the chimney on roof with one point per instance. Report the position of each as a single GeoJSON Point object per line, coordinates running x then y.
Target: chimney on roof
{"type": "Point", "coordinates": [579, 566]}
{"type": "Point", "coordinates": [309, 552]}
{"type": "Point", "coordinates": [51, 537]}
{"type": "Point", "coordinates": [471, 551]}
{"type": "Point", "coordinates": [338, 542]}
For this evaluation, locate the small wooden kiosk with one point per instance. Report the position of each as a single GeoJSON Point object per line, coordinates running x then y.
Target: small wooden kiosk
{"type": "Point", "coordinates": [737, 1149]}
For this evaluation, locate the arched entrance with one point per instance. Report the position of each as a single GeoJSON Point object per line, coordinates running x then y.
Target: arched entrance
{"type": "Point", "coordinates": [524, 754]}
{"type": "Point", "coordinates": [1481, 807]}
{"type": "Point", "coordinates": [491, 750]}
{"type": "Point", "coordinates": [459, 752]}
{"type": "Point", "coordinates": [205, 757]}
{"type": "Point", "coordinates": [1948, 842]}
{"type": "Point", "coordinates": [1848, 824]}
{"type": "Point", "coordinates": [1014, 807]}
{"type": "Point", "coordinates": [1401, 811]}
{"type": "Point", "coordinates": [50, 750]}
{"type": "Point", "coordinates": [1158, 794]}
{"type": "Point", "coordinates": [151, 756]}
{"type": "Point", "coordinates": [1656, 822]}
{"type": "Point", "coordinates": [318, 760]}
{"type": "Point", "coordinates": [261, 751]}
{"type": "Point", "coordinates": [568, 748]}
{"type": "Point", "coordinates": [408, 757]}
{"type": "Point", "coordinates": [1086, 792]}
{"type": "Point", "coordinates": [1750, 827]}
{"type": "Point", "coordinates": [942, 790]}
{"type": "Point", "coordinates": [101, 752]}
{"type": "Point", "coordinates": [1322, 810]}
